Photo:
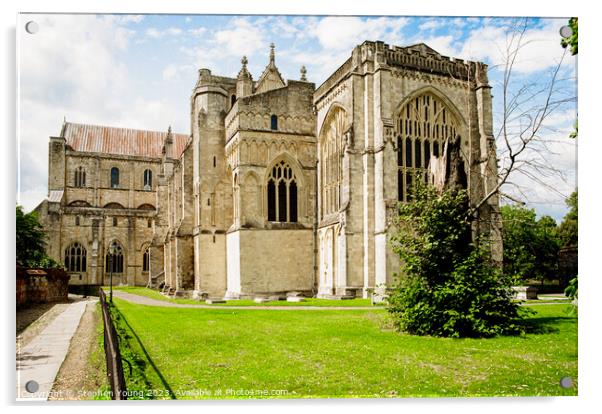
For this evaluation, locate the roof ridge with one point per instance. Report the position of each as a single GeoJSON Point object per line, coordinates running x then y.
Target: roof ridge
{"type": "Point", "coordinates": [123, 128]}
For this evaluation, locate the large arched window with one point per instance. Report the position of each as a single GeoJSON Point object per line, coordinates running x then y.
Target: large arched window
{"type": "Point", "coordinates": [146, 260]}
{"type": "Point", "coordinates": [282, 194]}
{"type": "Point", "coordinates": [114, 258]}
{"type": "Point", "coordinates": [75, 258]}
{"type": "Point", "coordinates": [80, 177]}
{"type": "Point", "coordinates": [148, 180]}
{"type": "Point", "coordinates": [114, 177]}
{"type": "Point", "coordinates": [331, 143]}
{"type": "Point", "coordinates": [423, 125]}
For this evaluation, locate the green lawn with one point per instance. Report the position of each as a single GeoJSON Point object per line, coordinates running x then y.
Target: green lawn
{"type": "Point", "coordinates": [154, 294]}
{"type": "Point", "coordinates": [197, 353]}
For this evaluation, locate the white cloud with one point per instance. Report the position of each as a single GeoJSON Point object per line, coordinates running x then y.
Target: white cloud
{"type": "Point", "coordinates": [132, 18]}
{"type": "Point", "coordinates": [345, 32]}
{"type": "Point", "coordinates": [540, 46]}
{"type": "Point", "coordinates": [169, 72]}
{"type": "Point", "coordinates": [155, 33]}
{"type": "Point", "coordinates": [241, 38]}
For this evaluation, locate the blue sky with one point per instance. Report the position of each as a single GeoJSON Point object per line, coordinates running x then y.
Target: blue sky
{"type": "Point", "coordinates": [138, 71]}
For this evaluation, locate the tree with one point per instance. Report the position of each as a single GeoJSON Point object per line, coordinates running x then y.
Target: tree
{"type": "Point", "coordinates": [30, 241]}
{"type": "Point", "coordinates": [568, 230]}
{"type": "Point", "coordinates": [523, 146]}
{"type": "Point", "coordinates": [448, 285]}
{"type": "Point", "coordinates": [530, 245]}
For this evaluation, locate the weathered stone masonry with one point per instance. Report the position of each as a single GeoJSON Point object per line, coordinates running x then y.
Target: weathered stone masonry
{"type": "Point", "coordinates": [280, 186]}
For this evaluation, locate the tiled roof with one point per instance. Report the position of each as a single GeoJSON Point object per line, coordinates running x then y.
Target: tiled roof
{"type": "Point", "coordinates": [120, 141]}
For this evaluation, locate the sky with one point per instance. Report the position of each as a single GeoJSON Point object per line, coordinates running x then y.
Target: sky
{"type": "Point", "coordinates": [138, 71]}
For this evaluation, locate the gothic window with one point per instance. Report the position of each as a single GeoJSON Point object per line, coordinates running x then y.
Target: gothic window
{"type": "Point", "coordinates": [282, 194]}
{"type": "Point", "coordinates": [423, 125]}
{"type": "Point", "coordinates": [75, 258]}
{"type": "Point", "coordinates": [146, 260]}
{"type": "Point", "coordinates": [114, 259]}
{"type": "Point", "coordinates": [114, 177]}
{"type": "Point", "coordinates": [274, 123]}
{"type": "Point", "coordinates": [148, 180]}
{"type": "Point", "coordinates": [331, 175]}
{"type": "Point", "coordinates": [80, 177]}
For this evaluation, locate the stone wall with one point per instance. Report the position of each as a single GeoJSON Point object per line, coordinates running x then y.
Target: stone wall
{"type": "Point", "coordinates": [41, 286]}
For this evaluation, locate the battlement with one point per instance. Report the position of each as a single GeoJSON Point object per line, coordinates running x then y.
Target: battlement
{"type": "Point", "coordinates": [419, 57]}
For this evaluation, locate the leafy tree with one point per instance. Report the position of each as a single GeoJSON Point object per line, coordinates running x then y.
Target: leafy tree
{"type": "Point", "coordinates": [568, 230]}
{"type": "Point", "coordinates": [30, 241]}
{"type": "Point", "coordinates": [448, 285]}
{"type": "Point", "coordinates": [530, 246]}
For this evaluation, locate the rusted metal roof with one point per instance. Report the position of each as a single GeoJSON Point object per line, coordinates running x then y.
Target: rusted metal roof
{"type": "Point", "coordinates": [120, 141]}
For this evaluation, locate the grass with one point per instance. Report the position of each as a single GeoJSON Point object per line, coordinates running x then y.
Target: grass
{"type": "Point", "coordinates": [153, 294]}
{"type": "Point", "coordinates": [231, 353]}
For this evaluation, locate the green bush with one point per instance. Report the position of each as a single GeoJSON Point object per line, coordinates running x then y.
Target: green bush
{"type": "Point", "coordinates": [448, 285]}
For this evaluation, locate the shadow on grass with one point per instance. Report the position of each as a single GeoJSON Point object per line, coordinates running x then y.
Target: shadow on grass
{"type": "Point", "coordinates": [545, 325]}
{"type": "Point", "coordinates": [147, 356]}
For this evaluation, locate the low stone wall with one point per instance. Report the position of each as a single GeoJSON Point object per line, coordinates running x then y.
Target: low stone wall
{"type": "Point", "coordinates": [41, 286]}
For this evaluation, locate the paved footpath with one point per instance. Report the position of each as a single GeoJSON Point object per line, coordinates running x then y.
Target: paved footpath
{"type": "Point", "coordinates": [143, 300]}
{"type": "Point", "coordinates": [41, 359]}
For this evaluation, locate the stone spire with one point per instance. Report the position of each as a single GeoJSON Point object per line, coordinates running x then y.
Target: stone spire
{"type": "Point", "coordinates": [244, 72]}
{"type": "Point", "coordinates": [303, 73]}
{"type": "Point", "coordinates": [270, 78]}
{"type": "Point", "coordinates": [244, 83]}
{"type": "Point", "coordinates": [272, 54]}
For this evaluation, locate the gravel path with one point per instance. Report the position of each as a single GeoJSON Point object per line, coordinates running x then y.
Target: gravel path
{"type": "Point", "coordinates": [143, 300]}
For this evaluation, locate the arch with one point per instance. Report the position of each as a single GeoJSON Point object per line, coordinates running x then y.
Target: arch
{"type": "Point", "coordinates": [330, 152]}
{"type": "Point", "coordinates": [75, 257]}
{"type": "Point", "coordinates": [433, 91]}
{"type": "Point", "coordinates": [114, 260]}
{"type": "Point", "coordinates": [146, 253]}
{"type": "Point", "coordinates": [113, 205]}
{"type": "Point", "coordinates": [292, 161]}
{"type": "Point", "coordinates": [146, 206]}
{"type": "Point", "coordinates": [79, 203]}
{"type": "Point", "coordinates": [424, 121]}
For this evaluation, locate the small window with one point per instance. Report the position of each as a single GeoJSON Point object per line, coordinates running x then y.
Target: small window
{"type": "Point", "coordinates": [208, 201]}
{"type": "Point", "coordinates": [146, 260]}
{"type": "Point", "coordinates": [214, 162]}
{"type": "Point", "coordinates": [274, 123]}
{"type": "Point", "coordinates": [148, 180]}
{"type": "Point", "coordinates": [232, 100]}
{"type": "Point", "coordinates": [149, 223]}
{"type": "Point", "coordinates": [77, 220]}
{"type": "Point", "coordinates": [114, 221]}
{"type": "Point", "coordinates": [114, 177]}
{"type": "Point", "coordinates": [80, 177]}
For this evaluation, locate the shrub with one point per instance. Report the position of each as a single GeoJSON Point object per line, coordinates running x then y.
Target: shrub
{"type": "Point", "coordinates": [448, 285]}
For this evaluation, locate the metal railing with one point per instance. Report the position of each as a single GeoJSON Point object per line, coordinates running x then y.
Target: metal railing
{"type": "Point", "coordinates": [112, 354]}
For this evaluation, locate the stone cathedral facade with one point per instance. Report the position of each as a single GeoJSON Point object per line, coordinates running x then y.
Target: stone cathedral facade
{"type": "Point", "coordinates": [280, 186]}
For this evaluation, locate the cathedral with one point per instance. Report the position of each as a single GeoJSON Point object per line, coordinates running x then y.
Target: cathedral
{"type": "Point", "coordinates": [280, 188]}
